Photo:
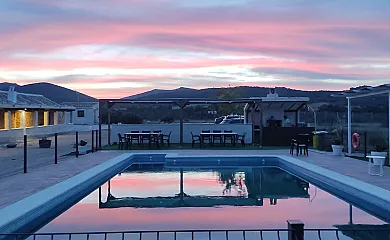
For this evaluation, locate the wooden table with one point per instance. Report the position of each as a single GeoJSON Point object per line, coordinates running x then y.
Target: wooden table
{"type": "Point", "coordinates": [150, 135]}
{"type": "Point", "coordinates": [220, 134]}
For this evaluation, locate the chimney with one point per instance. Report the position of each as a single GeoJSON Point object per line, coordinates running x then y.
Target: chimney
{"type": "Point", "coordinates": [272, 93]}
{"type": "Point", "coordinates": [12, 95]}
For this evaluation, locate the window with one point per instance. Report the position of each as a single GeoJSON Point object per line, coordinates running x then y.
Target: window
{"type": "Point", "coordinates": [80, 113]}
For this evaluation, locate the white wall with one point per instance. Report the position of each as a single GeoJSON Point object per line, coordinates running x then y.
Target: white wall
{"type": "Point", "coordinates": [88, 119]}
{"type": "Point", "coordinates": [277, 112]}
{"type": "Point", "coordinates": [291, 116]}
{"type": "Point", "coordinates": [195, 128]}
{"type": "Point", "coordinates": [7, 136]}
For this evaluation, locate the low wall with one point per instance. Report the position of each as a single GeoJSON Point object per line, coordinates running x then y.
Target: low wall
{"type": "Point", "coordinates": [7, 136]}
{"type": "Point", "coordinates": [195, 128]}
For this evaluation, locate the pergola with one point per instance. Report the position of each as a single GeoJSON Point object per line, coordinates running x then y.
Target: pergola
{"type": "Point", "coordinates": [290, 103]}
{"type": "Point", "coordinates": [365, 91]}
{"type": "Point", "coordinates": [180, 102]}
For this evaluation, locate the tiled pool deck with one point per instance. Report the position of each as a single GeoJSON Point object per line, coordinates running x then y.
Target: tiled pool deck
{"type": "Point", "coordinates": [17, 187]}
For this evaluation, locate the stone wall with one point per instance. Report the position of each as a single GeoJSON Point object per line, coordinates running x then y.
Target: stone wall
{"type": "Point", "coordinates": [2, 119]}
{"type": "Point", "coordinates": [16, 117]}
{"type": "Point", "coordinates": [29, 116]}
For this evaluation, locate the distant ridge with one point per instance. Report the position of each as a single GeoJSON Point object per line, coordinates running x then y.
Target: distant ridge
{"type": "Point", "coordinates": [51, 91]}
{"type": "Point", "coordinates": [244, 91]}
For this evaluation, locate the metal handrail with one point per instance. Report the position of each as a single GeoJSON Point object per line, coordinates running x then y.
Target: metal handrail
{"type": "Point", "coordinates": [158, 233]}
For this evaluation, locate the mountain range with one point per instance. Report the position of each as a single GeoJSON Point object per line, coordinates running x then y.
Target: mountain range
{"type": "Point", "coordinates": [49, 90]}
{"type": "Point", "coordinates": [61, 94]}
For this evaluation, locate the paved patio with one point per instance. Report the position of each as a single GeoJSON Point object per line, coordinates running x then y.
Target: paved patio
{"type": "Point", "coordinates": [19, 186]}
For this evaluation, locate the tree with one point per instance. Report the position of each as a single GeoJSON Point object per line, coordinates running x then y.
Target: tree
{"type": "Point", "coordinates": [230, 108]}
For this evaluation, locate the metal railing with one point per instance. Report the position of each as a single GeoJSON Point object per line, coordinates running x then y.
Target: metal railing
{"type": "Point", "coordinates": [255, 234]}
{"type": "Point", "coordinates": [28, 154]}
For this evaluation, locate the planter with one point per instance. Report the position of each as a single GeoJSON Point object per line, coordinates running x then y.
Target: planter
{"type": "Point", "coordinates": [83, 150]}
{"type": "Point", "coordinates": [337, 150]}
{"type": "Point", "coordinates": [44, 143]}
{"type": "Point", "coordinates": [379, 161]}
{"type": "Point", "coordinates": [12, 145]}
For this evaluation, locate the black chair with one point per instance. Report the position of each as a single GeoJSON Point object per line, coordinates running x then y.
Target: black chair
{"type": "Point", "coordinates": [166, 138]}
{"type": "Point", "coordinates": [195, 138]}
{"type": "Point", "coordinates": [241, 138]}
{"type": "Point", "coordinates": [145, 137]}
{"type": "Point", "coordinates": [206, 137]}
{"type": "Point", "coordinates": [217, 137]}
{"type": "Point", "coordinates": [134, 138]}
{"type": "Point", "coordinates": [228, 137]}
{"type": "Point", "coordinates": [301, 142]}
{"type": "Point", "coordinates": [157, 138]}
{"type": "Point", "coordinates": [121, 142]}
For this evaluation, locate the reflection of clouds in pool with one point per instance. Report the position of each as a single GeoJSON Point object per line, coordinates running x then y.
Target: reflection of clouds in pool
{"type": "Point", "coordinates": [325, 211]}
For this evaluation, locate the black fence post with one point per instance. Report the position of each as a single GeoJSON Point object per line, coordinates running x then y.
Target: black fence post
{"type": "Point", "coordinates": [295, 230]}
{"type": "Point", "coordinates": [25, 154]}
{"type": "Point", "coordinates": [365, 143]}
{"type": "Point", "coordinates": [97, 140]}
{"type": "Point", "coordinates": [55, 148]}
{"type": "Point", "coordinates": [77, 144]}
{"type": "Point", "coordinates": [93, 139]}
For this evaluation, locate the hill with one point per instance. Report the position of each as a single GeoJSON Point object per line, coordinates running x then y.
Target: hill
{"type": "Point", "coordinates": [245, 91]}
{"type": "Point", "coordinates": [51, 91]}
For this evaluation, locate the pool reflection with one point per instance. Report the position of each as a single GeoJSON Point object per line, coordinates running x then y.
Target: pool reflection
{"type": "Point", "coordinates": [248, 187]}
{"type": "Point", "coordinates": [239, 198]}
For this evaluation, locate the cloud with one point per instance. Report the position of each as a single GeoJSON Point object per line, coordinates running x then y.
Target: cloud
{"type": "Point", "coordinates": [89, 45]}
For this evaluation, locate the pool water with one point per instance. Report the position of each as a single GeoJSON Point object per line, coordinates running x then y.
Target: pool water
{"type": "Point", "coordinates": [226, 198]}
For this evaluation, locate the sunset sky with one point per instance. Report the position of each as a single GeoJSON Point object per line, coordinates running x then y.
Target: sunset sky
{"type": "Point", "coordinates": [115, 48]}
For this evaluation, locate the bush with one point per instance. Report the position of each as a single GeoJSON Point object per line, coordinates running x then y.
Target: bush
{"type": "Point", "coordinates": [381, 148]}
{"type": "Point", "coordinates": [132, 119]}
{"type": "Point", "coordinates": [336, 141]}
{"type": "Point", "coordinates": [167, 119]}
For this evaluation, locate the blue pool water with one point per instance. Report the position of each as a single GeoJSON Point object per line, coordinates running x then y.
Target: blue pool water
{"type": "Point", "coordinates": [163, 198]}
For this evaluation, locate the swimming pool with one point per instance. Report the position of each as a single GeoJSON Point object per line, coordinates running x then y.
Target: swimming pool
{"type": "Point", "coordinates": [162, 192]}
{"type": "Point", "coordinates": [163, 198]}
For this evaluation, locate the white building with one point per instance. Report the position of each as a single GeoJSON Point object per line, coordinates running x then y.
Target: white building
{"type": "Point", "coordinates": [22, 113]}
{"type": "Point", "coordinates": [86, 113]}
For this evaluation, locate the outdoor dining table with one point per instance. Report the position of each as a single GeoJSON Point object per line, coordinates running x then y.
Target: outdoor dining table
{"type": "Point", "coordinates": [150, 135]}
{"type": "Point", "coordinates": [202, 135]}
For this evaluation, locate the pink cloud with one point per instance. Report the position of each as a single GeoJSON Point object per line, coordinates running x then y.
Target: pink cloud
{"type": "Point", "coordinates": [302, 45]}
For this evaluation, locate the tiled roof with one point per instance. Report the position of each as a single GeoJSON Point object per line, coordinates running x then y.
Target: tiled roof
{"type": "Point", "coordinates": [30, 101]}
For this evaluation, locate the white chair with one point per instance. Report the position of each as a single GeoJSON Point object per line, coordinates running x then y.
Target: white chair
{"type": "Point", "coordinates": [375, 162]}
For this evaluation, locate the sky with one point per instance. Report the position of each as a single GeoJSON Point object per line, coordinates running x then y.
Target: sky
{"type": "Point", "coordinates": [116, 48]}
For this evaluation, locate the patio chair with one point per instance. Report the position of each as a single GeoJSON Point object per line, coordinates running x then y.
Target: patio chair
{"type": "Point", "coordinates": [121, 142]}
{"type": "Point", "coordinates": [206, 137]}
{"type": "Point", "coordinates": [241, 138]}
{"type": "Point", "coordinates": [228, 137]}
{"type": "Point", "coordinates": [144, 138]}
{"type": "Point", "coordinates": [301, 142]}
{"type": "Point", "coordinates": [134, 138]}
{"type": "Point", "coordinates": [217, 137]}
{"type": "Point", "coordinates": [166, 138]}
{"type": "Point", "coordinates": [157, 139]}
{"type": "Point", "coordinates": [195, 138]}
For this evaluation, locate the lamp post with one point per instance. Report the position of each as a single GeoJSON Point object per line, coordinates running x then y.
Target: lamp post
{"type": "Point", "coordinates": [315, 116]}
